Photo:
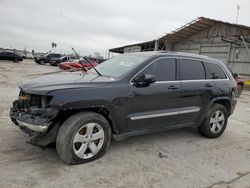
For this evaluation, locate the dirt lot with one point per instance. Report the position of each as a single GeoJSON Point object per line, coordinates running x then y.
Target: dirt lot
{"type": "Point", "coordinates": [189, 160]}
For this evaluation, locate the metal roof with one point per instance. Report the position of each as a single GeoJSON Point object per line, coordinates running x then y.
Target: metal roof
{"type": "Point", "coordinates": [195, 26]}
{"type": "Point", "coordinates": [191, 28]}
{"type": "Point", "coordinates": [120, 49]}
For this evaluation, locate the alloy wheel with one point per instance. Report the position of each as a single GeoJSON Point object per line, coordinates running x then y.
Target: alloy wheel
{"type": "Point", "coordinates": [88, 140]}
{"type": "Point", "coordinates": [217, 121]}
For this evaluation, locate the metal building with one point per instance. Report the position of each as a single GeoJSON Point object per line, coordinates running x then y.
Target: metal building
{"type": "Point", "coordinates": [224, 41]}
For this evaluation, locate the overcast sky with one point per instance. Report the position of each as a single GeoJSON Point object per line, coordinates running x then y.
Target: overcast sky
{"type": "Point", "coordinates": [97, 25]}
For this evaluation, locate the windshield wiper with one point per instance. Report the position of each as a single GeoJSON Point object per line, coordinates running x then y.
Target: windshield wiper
{"type": "Point", "coordinates": [87, 60]}
{"type": "Point", "coordinates": [79, 59]}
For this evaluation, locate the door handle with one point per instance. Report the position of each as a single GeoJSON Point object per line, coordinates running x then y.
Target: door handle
{"type": "Point", "coordinates": [209, 85]}
{"type": "Point", "coordinates": [173, 87]}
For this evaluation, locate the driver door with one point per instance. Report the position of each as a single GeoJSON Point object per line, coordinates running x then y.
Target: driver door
{"type": "Point", "coordinates": [155, 106]}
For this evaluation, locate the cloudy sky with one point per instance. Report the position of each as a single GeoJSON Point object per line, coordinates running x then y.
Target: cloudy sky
{"type": "Point", "coordinates": [97, 25]}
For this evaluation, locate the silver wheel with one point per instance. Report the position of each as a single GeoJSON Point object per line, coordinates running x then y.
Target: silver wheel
{"type": "Point", "coordinates": [88, 140]}
{"type": "Point", "coordinates": [217, 121]}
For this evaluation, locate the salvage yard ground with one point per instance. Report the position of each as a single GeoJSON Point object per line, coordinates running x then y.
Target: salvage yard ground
{"type": "Point", "coordinates": [186, 159]}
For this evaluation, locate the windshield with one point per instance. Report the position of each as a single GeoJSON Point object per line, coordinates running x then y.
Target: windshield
{"type": "Point", "coordinates": [119, 66]}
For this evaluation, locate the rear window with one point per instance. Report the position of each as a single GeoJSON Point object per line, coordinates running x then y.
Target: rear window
{"type": "Point", "coordinates": [214, 71]}
{"type": "Point", "coordinates": [191, 70]}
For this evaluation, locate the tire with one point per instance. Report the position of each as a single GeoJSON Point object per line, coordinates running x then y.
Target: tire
{"type": "Point", "coordinates": [214, 125]}
{"type": "Point", "coordinates": [239, 90]}
{"type": "Point", "coordinates": [55, 64]}
{"type": "Point", "coordinates": [71, 139]}
{"type": "Point", "coordinates": [42, 62]}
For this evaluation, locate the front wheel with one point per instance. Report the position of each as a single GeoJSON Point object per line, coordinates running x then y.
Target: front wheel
{"type": "Point", "coordinates": [83, 137]}
{"type": "Point", "coordinates": [42, 62]}
{"type": "Point", "coordinates": [215, 123]}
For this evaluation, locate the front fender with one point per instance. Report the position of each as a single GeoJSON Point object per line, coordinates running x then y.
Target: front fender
{"type": "Point", "coordinates": [111, 98]}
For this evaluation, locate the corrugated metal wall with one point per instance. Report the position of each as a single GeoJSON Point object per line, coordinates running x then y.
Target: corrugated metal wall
{"type": "Point", "coordinates": [239, 60]}
{"type": "Point", "coordinates": [237, 57]}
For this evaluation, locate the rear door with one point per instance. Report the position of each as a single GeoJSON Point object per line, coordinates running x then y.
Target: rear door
{"type": "Point", "coordinates": [155, 106]}
{"type": "Point", "coordinates": [196, 90]}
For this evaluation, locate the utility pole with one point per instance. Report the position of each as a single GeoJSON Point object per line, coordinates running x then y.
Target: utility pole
{"type": "Point", "coordinates": [238, 10]}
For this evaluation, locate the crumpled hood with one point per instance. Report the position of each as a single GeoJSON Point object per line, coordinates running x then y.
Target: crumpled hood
{"type": "Point", "coordinates": [63, 80]}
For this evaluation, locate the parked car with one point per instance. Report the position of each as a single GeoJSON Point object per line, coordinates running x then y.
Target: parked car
{"type": "Point", "coordinates": [76, 64]}
{"type": "Point", "coordinates": [10, 56]}
{"type": "Point", "coordinates": [56, 61]}
{"type": "Point", "coordinates": [240, 82]}
{"type": "Point", "coordinates": [97, 60]}
{"type": "Point", "coordinates": [125, 96]}
{"type": "Point", "coordinates": [46, 58]}
{"type": "Point", "coordinates": [28, 55]}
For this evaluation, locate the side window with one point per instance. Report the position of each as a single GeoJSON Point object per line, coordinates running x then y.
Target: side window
{"type": "Point", "coordinates": [214, 71]}
{"type": "Point", "coordinates": [191, 70]}
{"type": "Point", "coordinates": [163, 69]}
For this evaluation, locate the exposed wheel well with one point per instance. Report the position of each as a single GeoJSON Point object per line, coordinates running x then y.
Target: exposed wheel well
{"type": "Point", "coordinates": [226, 104]}
{"type": "Point", "coordinates": [100, 110]}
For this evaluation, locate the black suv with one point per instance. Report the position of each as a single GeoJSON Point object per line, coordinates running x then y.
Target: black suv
{"type": "Point", "coordinates": [46, 58]}
{"type": "Point", "coordinates": [125, 96]}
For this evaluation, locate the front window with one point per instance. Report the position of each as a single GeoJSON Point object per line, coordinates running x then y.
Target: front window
{"type": "Point", "coordinates": [119, 66]}
{"type": "Point", "coordinates": [163, 69]}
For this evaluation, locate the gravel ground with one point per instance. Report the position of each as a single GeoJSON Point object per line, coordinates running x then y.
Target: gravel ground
{"type": "Point", "coordinates": [186, 159]}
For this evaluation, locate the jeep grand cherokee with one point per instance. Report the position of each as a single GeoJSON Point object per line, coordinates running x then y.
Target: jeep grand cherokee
{"type": "Point", "coordinates": [125, 96]}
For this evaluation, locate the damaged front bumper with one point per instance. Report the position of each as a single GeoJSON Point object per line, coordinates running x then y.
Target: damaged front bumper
{"type": "Point", "coordinates": [37, 122]}
{"type": "Point", "coordinates": [36, 128]}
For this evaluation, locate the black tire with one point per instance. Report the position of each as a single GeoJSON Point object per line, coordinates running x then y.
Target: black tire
{"type": "Point", "coordinates": [68, 130]}
{"type": "Point", "coordinates": [205, 127]}
{"type": "Point", "coordinates": [42, 62]}
{"type": "Point", "coordinates": [239, 90]}
{"type": "Point", "coordinates": [54, 64]}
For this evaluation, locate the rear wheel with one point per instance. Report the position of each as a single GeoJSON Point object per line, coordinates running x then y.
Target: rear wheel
{"type": "Point", "coordinates": [215, 123]}
{"type": "Point", "coordinates": [83, 137]}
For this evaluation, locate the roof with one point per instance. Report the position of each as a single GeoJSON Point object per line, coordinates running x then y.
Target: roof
{"type": "Point", "coordinates": [120, 49]}
{"type": "Point", "coordinates": [169, 53]}
{"type": "Point", "coordinates": [191, 28]}
{"type": "Point", "coordinates": [195, 26]}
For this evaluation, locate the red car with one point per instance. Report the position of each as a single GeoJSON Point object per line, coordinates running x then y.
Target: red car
{"type": "Point", "coordinates": [75, 64]}
{"type": "Point", "coordinates": [239, 80]}
{"type": "Point", "coordinates": [240, 83]}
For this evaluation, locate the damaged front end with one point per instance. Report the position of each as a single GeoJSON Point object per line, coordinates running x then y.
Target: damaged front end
{"type": "Point", "coordinates": [34, 115]}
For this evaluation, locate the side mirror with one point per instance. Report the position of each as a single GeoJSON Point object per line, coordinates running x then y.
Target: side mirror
{"type": "Point", "coordinates": [148, 78]}
{"type": "Point", "coordinates": [144, 80]}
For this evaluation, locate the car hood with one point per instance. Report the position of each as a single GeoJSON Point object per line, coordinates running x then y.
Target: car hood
{"type": "Point", "coordinates": [64, 80]}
